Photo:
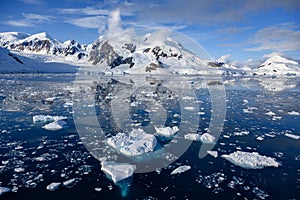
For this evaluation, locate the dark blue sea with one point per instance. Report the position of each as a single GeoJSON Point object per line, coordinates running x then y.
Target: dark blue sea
{"type": "Point", "coordinates": [259, 112]}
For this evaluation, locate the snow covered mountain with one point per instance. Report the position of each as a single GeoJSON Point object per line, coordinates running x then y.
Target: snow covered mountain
{"type": "Point", "coordinates": [278, 65]}
{"type": "Point", "coordinates": [42, 43]}
{"type": "Point", "coordinates": [11, 62]}
{"type": "Point", "coordinates": [153, 53]}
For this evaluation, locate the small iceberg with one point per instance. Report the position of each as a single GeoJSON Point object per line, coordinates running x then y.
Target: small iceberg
{"type": "Point", "coordinates": [213, 153]}
{"type": "Point", "coordinates": [54, 126]}
{"type": "Point", "coordinates": [166, 131]}
{"type": "Point", "coordinates": [250, 160]}
{"type": "Point", "coordinates": [118, 171]}
{"type": "Point", "coordinates": [207, 138]}
{"type": "Point", "coordinates": [181, 169]}
{"type": "Point", "coordinates": [136, 143]}
{"type": "Point", "coordinates": [46, 118]}
{"type": "Point", "coordinates": [53, 186]}
{"type": "Point", "coordinates": [296, 137]}
{"type": "Point", "coordinates": [54, 122]}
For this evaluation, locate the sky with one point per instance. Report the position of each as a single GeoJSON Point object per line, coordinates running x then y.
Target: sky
{"type": "Point", "coordinates": [236, 30]}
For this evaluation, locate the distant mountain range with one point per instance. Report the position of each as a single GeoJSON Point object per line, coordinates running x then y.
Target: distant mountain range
{"type": "Point", "coordinates": [148, 55]}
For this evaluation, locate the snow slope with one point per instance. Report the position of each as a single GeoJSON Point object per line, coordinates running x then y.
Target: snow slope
{"type": "Point", "coordinates": [278, 65]}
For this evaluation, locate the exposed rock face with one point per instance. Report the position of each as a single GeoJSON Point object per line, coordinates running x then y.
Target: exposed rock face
{"type": "Point", "coordinates": [106, 54]}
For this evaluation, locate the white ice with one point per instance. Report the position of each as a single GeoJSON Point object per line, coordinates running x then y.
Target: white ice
{"type": "Point", "coordinates": [250, 160]}
{"type": "Point", "coordinates": [207, 138]}
{"type": "Point", "coordinates": [136, 142]}
{"type": "Point", "coordinates": [118, 171]}
{"type": "Point", "coordinates": [54, 126]}
{"type": "Point", "coordinates": [296, 137]}
{"type": "Point", "coordinates": [46, 118]}
{"type": "Point", "coordinates": [181, 169]}
{"type": "Point", "coordinates": [213, 153]}
{"type": "Point", "coordinates": [167, 131]}
{"type": "Point", "coordinates": [53, 186]}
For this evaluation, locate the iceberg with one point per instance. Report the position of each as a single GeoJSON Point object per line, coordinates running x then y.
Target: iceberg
{"type": "Point", "coordinates": [137, 142]}
{"type": "Point", "coordinates": [250, 160]}
{"type": "Point", "coordinates": [166, 131]}
{"type": "Point", "coordinates": [213, 153]}
{"type": "Point", "coordinates": [118, 171]}
{"type": "Point", "coordinates": [207, 138]}
{"type": "Point", "coordinates": [46, 118]}
{"type": "Point", "coordinates": [296, 137]}
{"type": "Point", "coordinates": [54, 126]}
{"type": "Point", "coordinates": [181, 169]}
{"type": "Point", "coordinates": [53, 186]}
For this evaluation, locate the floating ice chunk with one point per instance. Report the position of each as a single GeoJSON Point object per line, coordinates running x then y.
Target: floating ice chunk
{"type": "Point", "coordinates": [213, 153]}
{"type": "Point", "coordinates": [189, 108]}
{"type": "Point", "coordinates": [137, 142]}
{"type": "Point", "coordinates": [54, 126]}
{"type": "Point", "coordinates": [53, 186]}
{"type": "Point", "coordinates": [207, 138]}
{"type": "Point", "coordinates": [249, 110]}
{"type": "Point", "coordinates": [241, 133]}
{"type": "Point", "coordinates": [296, 137]}
{"type": "Point", "coordinates": [71, 182]}
{"type": "Point", "coordinates": [167, 131]}
{"type": "Point", "coordinates": [118, 171]}
{"type": "Point", "coordinates": [4, 190]}
{"type": "Point", "coordinates": [270, 113]}
{"type": "Point", "coordinates": [260, 193]}
{"type": "Point", "coordinates": [293, 113]}
{"type": "Point", "coordinates": [181, 169]}
{"type": "Point", "coordinates": [250, 160]}
{"type": "Point", "coordinates": [46, 118]}
{"type": "Point", "coordinates": [260, 138]}
{"type": "Point", "coordinates": [51, 99]}
{"type": "Point", "coordinates": [192, 136]}
{"type": "Point", "coordinates": [68, 104]}
{"type": "Point", "coordinates": [19, 169]}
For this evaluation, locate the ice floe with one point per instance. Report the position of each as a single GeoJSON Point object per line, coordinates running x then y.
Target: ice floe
{"type": "Point", "coordinates": [135, 143]}
{"type": "Point", "coordinates": [181, 169]}
{"type": "Point", "coordinates": [118, 171]}
{"type": "Point", "coordinates": [294, 113]}
{"type": "Point", "coordinates": [250, 160]}
{"type": "Point", "coordinates": [53, 186]}
{"type": "Point", "coordinates": [296, 137]}
{"type": "Point", "coordinates": [207, 138]}
{"type": "Point", "coordinates": [167, 131]}
{"type": "Point", "coordinates": [213, 153]}
{"type": "Point", "coordinates": [54, 126]}
{"type": "Point", "coordinates": [46, 118]}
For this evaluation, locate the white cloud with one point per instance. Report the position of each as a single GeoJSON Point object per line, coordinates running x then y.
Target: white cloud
{"type": "Point", "coordinates": [31, 1]}
{"type": "Point", "coordinates": [224, 58]}
{"type": "Point", "coordinates": [276, 53]}
{"type": "Point", "coordinates": [276, 38]}
{"type": "Point", "coordinates": [29, 20]}
{"type": "Point", "coordinates": [114, 23]}
{"type": "Point", "coordinates": [233, 30]}
{"type": "Point", "coordinates": [88, 22]}
{"type": "Point", "coordinates": [83, 11]}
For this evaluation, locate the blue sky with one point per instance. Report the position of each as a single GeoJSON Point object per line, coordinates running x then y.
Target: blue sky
{"type": "Point", "coordinates": [238, 30]}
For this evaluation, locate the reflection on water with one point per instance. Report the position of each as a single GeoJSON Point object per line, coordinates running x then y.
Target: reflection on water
{"type": "Point", "coordinates": [259, 114]}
